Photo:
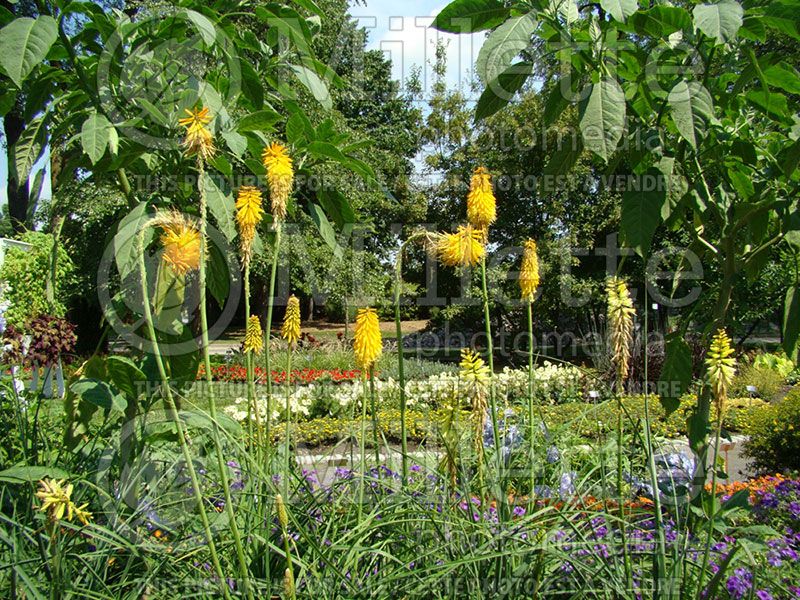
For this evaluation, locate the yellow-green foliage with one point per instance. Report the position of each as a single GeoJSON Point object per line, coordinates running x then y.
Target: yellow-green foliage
{"type": "Point", "coordinates": [774, 443]}
{"type": "Point", "coordinates": [776, 361]}
{"type": "Point", "coordinates": [767, 380]}
{"type": "Point", "coordinates": [580, 418]}
{"type": "Point", "coordinates": [26, 274]}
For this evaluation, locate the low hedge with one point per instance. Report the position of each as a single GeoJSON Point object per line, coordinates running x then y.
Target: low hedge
{"type": "Point", "coordinates": [774, 444]}
{"type": "Point", "coordinates": [586, 420]}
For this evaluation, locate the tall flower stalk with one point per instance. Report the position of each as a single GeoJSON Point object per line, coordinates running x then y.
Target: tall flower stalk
{"type": "Point", "coordinates": [481, 213]}
{"type": "Point", "coordinates": [280, 179]}
{"type": "Point", "coordinates": [248, 215]}
{"type": "Point", "coordinates": [290, 331]}
{"type": "Point", "coordinates": [173, 412]}
{"type": "Point", "coordinates": [367, 347]}
{"type": "Point", "coordinates": [199, 141]}
{"type": "Point", "coordinates": [476, 377]}
{"type": "Point", "coordinates": [529, 283]}
{"type": "Point", "coordinates": [720, 370]}
{"type": "Point", "coordinates": [288, 575]}
{"type": "Point", "coordinates": [620, 313]}
{"type": "Point", "coordinates": [430, 243]}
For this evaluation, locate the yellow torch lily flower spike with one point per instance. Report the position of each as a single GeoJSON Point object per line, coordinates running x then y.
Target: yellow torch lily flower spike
{"type": "Point", "coordinates": [464, 248]}
{"type": "Point", "coordinates": [620, 324]}
{"type": "Point", "coordinates": [290, 331]}
{"type": "Point", "coordinates": [249, 213]}
{"type": "Point", "coordinates": [721, 367]}
{"type": "Point", "coordinates": [280, 177]}
{"type": "Point", "coordinates": [253, 340]}
{"type": "Point", "coordinates": [199, 139]}
{"type": "Point", "coordinates": [529, 273]}
{"type": "Point", "coordinates": [181, 242]}
{"type": "Point", "coordinates": [56, 498]}
{"type": "Point", "coordinates": [481, 203]}
{"type": "Point", "coordinates": [473, 369]}
{"type": "Point", "coordinates": [368, 343]}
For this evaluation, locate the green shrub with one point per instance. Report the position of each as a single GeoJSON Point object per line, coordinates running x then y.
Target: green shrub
{"type": "Point", "coordinates": [27, 272]}
{"type": "Point", "coordinates": [767, 381]}
{"type": "Point", "coordinates": [774, 443]}
{"type": "Point", "coordinates": [778, 362]}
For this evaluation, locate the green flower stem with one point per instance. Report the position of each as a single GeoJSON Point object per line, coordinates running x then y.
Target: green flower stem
{"type": "Point", "coordinates": [268, 329]}
{"type": "Point", "coordinates": [659, 557]}
{"type": "Point", "coordinates": [252, 408]}
{"type": "Point", "coordinates": [212, 405]}
{"type": "Point", "coordinates": [187, 457]}
{"type": "Point", "coordinates": [531, 403]}
{"type": "Point", "coordinates": [490, 351]}
{"type": "Point", "coordinates": [362, 449]}
{"type": "Point", "coordinates": [374, 415]}
{"type": "Point", "coordinates": [398, 283]}
{"type": "Point", "coordinates": [707, 550]}
{"type": "Point", "coordinates": [287, 447]}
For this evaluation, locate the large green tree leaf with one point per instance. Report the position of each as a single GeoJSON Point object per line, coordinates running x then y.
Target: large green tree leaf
{"type": "Point", "coordinates": [501, 91]}
{"type": "Point", "coordinates": [261, 120]}
{"type": "Point", "coordinates": [602, 117]}
{"type": "Point", "coordinates": [661, 21]}
{"type": "Point", "coordinates": [504, 45]}
{"type": "Point", "coordinates": [31, 474]}
{"type": "Point", "coordinates": [791, 322]}
{"type": "Point", "coordinates": [783, 76]}
{"type": "Point", "coordinates": [99, 393]}
{"type": "Point", "coordinates": [24, 43]}
{"type": "Point", "coordinates": [126, 248]}
{"type": "Point", "coordinates": [126, 376]}
{"type": "Point", "coordinates": [641, 210]}
{"type": "Point", "coordinates": [720, 21]}
{"type": "Point", "coordinates": [676, 374]}
{"type": "Point", "coordinates": [325, 228]}
{"type": "Point", "coordinates": [691, 107]}
{"type": "Point", "coordinates": [620, 9]}
{"type": "Point", "coordinates": [222, 206]}
{"type": "Point", "coordinates": [466, 16]}
{"type": "Point", "coordinates": [95, 135]}
{"type": "Point", "coordinates": [203, 25]}
{"type": "Point", "coordinates": [29, 147]}
{"type": "Point", "coordinates": [315, 85]}
{"type": "Point", "coordinates": [219, 274]}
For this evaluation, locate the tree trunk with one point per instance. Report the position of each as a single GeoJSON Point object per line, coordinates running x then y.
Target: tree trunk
{"type": "Point", "coordinates": [17, 191]}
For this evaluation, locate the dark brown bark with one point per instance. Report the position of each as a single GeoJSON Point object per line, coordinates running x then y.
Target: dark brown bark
{"type": "Point", "coordinates": [17, 191]}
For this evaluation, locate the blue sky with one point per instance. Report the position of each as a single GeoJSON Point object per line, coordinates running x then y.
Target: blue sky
{"type": "Point", "coordinates": [399, 29]}
{"type": "Point", "coordinates": [402, 31]}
